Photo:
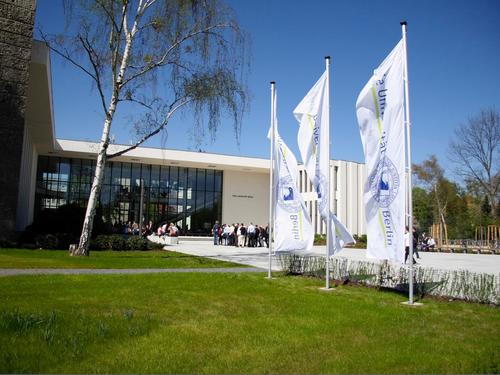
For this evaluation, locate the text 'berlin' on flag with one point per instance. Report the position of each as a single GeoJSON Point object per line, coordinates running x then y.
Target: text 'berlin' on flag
{"type": "Point", "coordinates": [313, 140]}
{"type": "Point", "coordinates": [293, 230]}
{"type": "Point", "coordinates": [379, 109]}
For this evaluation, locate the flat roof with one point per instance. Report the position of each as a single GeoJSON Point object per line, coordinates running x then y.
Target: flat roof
{"type": "Point", "coordinates": [40, 122]}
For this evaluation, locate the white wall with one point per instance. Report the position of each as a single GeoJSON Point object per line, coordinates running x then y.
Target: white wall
{"type": "Point", "coordinates": [245, 198]}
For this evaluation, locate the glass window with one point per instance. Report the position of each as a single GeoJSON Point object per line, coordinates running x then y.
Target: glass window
{"type": "Point", "coordinates": [42, 167]}
{"type": "Point", "coordinates": [200, 179]}
{"type": "Point", "coordinates": [117, 173]}
{"type": "Point", "coordinates": [191, 178]}
{"type": "Point", "coordinates": [126, 170]}
{"type": "Point", "coordinates": [218, 181]}
{"type": "Point", "coordinates": [146, 175]}
{"type": "Point", "coordinates": [210, 180]}
{"type": "Point", "coordinates": [64, 169]}
{"type": "Point", "coordinates": [188, 196]}
{"type": "Point", "coordinates": [105, 195]}
{"type": "Point", "coordinates": [107, 173]}
{"type": "Point", "coordinates": [86, 172]}
{"type": "Point", "coordinates": [136, 175]}
{"type": "Point", "coordinates": [155, 176]}
{"type": "Point", "coordinates": [164, 175]}
{"type": "Point", "coordinates": [52, 170]}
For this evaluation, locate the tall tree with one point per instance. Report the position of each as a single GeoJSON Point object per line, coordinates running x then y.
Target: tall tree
{"type": "Point", "coordinates": [158, 56]}
{"type": "Point", "coordinates": [475, 151]}
{"type": "Point", "coordinates": [431, 176]}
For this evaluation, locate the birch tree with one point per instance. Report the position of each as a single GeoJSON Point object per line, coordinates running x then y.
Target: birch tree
{"type": "Point", "coordinates": [160, 57]}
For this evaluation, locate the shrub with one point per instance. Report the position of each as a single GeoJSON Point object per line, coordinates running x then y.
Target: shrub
{"type": "Point", "coordinates": [46, 241]}
{"type": "Point", "coordinates": [319, 239]}
{"type": "Point", "coordinates": [109, 242]}
{"type": "Point", "coordinates": [137, 243]}
{"type": "Point", "coordinates": [118, 242]}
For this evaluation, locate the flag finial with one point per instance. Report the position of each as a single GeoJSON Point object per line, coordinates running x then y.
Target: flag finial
{"type": "Point", "coordinates": [403, 23]}
{"type": "Point", "coordinates": [273, 82]}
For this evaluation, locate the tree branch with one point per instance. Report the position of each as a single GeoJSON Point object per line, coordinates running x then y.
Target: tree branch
{"type": "Point", "coordinates": [154, 132]}
{"type": "Point", "coordinates": [95, 64]}
{"type": "Point", "coordinates": [162, 60]}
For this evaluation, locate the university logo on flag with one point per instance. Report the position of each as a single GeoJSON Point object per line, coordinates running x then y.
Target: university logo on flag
{"type": "Point", "coordinates": [293, 230]}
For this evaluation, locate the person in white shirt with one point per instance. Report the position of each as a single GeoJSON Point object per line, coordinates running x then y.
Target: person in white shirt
{"type": "Point", "coordinates": [251, 235]}
{"type": "Point", "coordinates": [225, 233]}
{"type": "Point", "coordinates": [431, 243]}
{"type": "Point", "coordinates": [406, 240]}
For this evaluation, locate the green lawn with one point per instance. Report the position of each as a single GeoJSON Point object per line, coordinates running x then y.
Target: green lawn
{"type": "Point", "coordinates": [22, 258]}
{"type": "Point", "coordinates": [234, 323]}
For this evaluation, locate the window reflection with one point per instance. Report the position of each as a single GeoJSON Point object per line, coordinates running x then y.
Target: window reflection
{"type": "Point", "coordinates": [189, 197]}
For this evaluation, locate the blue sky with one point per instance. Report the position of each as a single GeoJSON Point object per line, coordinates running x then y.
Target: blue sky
{"type": "Point", "coordinates": [454, 70]}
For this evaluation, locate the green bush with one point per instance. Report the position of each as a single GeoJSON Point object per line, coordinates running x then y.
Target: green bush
{"type": "Point", "coordinates": [55, 241]}
{"type": "Point", "coordinates": [117, 242]}
{"type": "Point", "coordinates": [319, 239]}
{"type": "Point", "coordinates": [109, 242]}
{"type": "Point", "coordinates": [360, 241]}
{"type": "Point", "coordinates": [137, 243]}
{"type": "Point", "coordinates": [46, 241]}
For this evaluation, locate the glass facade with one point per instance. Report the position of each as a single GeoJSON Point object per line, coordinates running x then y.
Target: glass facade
{"type": "Point", "coordinates": [189, 197]}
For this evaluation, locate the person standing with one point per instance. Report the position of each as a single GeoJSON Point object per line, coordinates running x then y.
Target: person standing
{"type": "Point", "coordinates": [215, 231]}
{"type": "Point", "coordinates": [242, 234]}
{"type": "Point", "coordinates": [407, 245]}
{"type": "Point", "coordinates": [251, 235]}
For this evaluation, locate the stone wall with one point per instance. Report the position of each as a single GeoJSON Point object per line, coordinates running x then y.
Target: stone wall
{"type": "Point", "coordinates": [16, 35]}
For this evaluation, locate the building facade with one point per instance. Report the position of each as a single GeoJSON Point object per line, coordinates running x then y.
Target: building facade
{"type": "Point", "coordinates": [191, 189]}
{"type": "Point", "coordinates": [16, 35]}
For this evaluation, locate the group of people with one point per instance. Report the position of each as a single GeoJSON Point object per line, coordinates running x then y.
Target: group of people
{"type": "Point", "coordinates": [240, 235]}
{"type": "Point", "coordinates": [168, 230]}
{"type": "Point", "coordinates": [427, 243]}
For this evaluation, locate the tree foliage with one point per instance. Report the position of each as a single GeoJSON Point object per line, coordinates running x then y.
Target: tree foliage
{"type": "Point", "coordinates": [475, 151]}
{"type": "Point", "coordinates": [431, 175]}
{"type": "Point", "coordinates": [159, 56]}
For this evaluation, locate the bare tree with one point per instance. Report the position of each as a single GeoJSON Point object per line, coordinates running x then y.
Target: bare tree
{"type": "Point", "coordinates": [158, 56]}
{"type": "Point", "coordinates": [475, 151]}
{"type": "Point", "coordinates": [431, 175]}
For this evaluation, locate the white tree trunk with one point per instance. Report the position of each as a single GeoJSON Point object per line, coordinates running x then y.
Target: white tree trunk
{"type": "Point", "coordinates": [83, 247]}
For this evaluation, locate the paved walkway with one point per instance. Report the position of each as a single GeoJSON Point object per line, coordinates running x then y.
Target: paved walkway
{"type": "Point", "coordinates": [258, 257]}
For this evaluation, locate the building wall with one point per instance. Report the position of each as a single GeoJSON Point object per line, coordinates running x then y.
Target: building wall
{"type": "Point", "coordinates": [346, 181]}
{"type": "Point", "coordinates": [16, 33]}
{"type": "Point", "coordinates": [27, 183]}
{"type": "Point", "coordinates": [245, 198]}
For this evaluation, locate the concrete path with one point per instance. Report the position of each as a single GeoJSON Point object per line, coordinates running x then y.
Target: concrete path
{"type": "Point", "coordinates": [258, 257]}
{"type": "Point", "coordinates": [96, 271]}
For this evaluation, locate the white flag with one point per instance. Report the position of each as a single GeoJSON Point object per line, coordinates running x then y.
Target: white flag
{"type": "Point", "coordinates": [379, 109]}
{"type": "Point", "coordinates": [313, 139]}
{"type": "Point", "coordinates": [293, 230]}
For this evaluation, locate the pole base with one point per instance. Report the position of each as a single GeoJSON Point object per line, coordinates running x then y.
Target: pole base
{"type": "Point", "coordinates": [270, 277]}
{"type": "Point", "coordinates": [324, 289]}
{"type": "Point", "coordinates": [414, 304]}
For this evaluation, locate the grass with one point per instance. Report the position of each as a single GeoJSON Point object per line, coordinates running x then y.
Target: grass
{"type": "Point", "coordinates": [234, 323]}
{"type": "Point", "coordinates": [23, 258]}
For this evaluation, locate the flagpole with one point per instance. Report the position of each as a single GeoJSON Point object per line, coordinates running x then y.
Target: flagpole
{"type": "Point", "coordinates": [328, 221]}
{"type": "Point", "coordinates": [271, 181]}
{"type": "Point", "coordinates": [408, 167]}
